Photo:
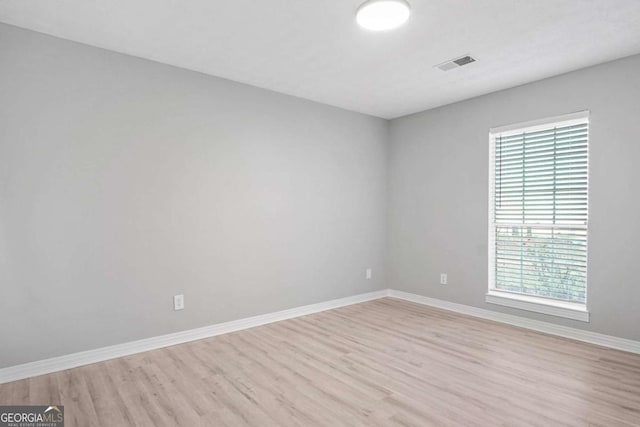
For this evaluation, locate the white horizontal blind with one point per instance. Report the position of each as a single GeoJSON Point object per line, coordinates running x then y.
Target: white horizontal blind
{"type": "Point", "coordinates": [539, 216]}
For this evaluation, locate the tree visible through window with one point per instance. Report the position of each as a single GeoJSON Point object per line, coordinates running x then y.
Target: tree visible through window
{"type": "Point", "coordinates": [538, 209]}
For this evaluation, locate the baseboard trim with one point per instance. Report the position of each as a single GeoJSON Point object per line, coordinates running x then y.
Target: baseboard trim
{"type": "Point", "coordinates": [47, 366]}
{"type": "Point", "coordinates": [55, 364]}
{"type": "Point", "coordinates": [523, 322]}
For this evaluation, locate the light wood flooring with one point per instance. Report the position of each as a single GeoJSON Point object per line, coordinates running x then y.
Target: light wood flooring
{"type": "Point", "coordinates": [382, 363]}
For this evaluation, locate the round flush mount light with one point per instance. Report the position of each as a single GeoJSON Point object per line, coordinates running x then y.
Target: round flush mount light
{"type": "Point", "coordinates": [380, 15]}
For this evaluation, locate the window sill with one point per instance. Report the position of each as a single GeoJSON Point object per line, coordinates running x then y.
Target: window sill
{"type": "Point", "coordinates": [567, 310]}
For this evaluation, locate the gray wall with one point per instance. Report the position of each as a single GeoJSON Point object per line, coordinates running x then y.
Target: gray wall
{"type": "Point", "coordinates": [438, 192]}
{"type": "Point", "coordinates": [124, 182]}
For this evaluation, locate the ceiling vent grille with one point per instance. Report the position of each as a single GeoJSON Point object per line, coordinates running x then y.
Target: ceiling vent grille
{"type": "Point", "coordinates": [456, 63]}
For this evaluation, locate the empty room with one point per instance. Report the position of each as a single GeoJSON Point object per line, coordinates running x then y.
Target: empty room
{"type": "Point", "coordinates": [319, 213]}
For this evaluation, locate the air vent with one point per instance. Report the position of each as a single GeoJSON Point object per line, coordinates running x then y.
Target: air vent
{"type": "Point", "coordinates": [455, 63]}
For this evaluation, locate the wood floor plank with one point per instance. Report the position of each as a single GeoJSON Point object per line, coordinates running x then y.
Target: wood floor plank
{"type": "Point", "coordinates": [381, 363]}
{"type": "Point", "coordinates": [74, 395]}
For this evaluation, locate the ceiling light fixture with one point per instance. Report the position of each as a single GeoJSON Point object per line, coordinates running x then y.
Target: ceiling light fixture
{"type": "Point", "coordinates": [380, 15]}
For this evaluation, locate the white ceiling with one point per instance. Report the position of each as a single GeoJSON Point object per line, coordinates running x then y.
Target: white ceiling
{"type": "Point", "coordinates": [314, 49]}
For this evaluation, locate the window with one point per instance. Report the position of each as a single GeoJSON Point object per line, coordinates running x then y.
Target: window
{"type": "Point", "coordinates": [538, 216]}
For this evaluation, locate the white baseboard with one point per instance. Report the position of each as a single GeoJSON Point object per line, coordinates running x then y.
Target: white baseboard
{"type": "Point", "coordinates": [523, 322]}
{"type": "Point", "coordinates": [41, 367]}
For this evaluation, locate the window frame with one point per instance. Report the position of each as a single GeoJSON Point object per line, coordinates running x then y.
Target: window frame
{"type": "Point", "coordinates": [567, 309]}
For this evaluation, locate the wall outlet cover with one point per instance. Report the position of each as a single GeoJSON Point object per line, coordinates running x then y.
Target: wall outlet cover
{"type": "Point", "coordinates": [178, 302]}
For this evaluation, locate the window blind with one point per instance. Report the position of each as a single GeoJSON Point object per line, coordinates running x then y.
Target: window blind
{"type": "Point", "coordinates": [539, 215]}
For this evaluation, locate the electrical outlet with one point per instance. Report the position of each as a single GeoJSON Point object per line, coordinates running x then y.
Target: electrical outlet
{"type": "Point", "coordinates": [178, 302]}
{"type": "Point", "coordinates": [443, 278]}
{"type": "Point", "coordinates": [368, 274]}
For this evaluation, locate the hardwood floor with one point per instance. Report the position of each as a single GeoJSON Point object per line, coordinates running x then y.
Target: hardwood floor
{"type": "Point", "coordinates": [383, 363]}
